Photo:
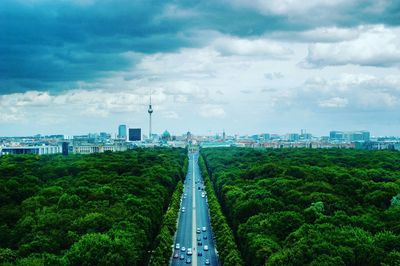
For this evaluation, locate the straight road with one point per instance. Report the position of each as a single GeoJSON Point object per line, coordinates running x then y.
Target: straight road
{"type": "Point", "coordinates": [195, 216]}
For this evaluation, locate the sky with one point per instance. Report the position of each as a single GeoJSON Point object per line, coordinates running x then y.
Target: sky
{"type": "Point", "coordinates": [246, 67]}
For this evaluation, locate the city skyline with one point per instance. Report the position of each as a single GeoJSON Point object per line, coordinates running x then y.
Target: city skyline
{"type": "Point", "coordinates": [248, 67]}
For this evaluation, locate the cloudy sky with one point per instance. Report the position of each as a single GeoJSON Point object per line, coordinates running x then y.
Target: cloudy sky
{"type": "Point", "coordinates": [278, 66]}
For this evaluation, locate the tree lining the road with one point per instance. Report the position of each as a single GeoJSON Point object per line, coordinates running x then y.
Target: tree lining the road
{"type": "Point", "coordinates": [228, 252]}
{"type": "Point", "coordinates": [310, 207]}
{"type": "Point", "coordinates": [165, 239]}
{"type": "Point", "coordinates": [99, 209]}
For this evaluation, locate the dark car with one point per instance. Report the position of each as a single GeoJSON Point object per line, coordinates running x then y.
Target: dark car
{"type": "Point", "coordinates": [199, 243]}
{"type": "Point", "coordinates": [198, 238]}
{"type": "Point", "coordinates": [205, 237]}
{"type": "Point", "coordinates": [199, 254]}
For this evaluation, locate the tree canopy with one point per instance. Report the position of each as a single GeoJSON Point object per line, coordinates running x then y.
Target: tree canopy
{"type": "Point", "coordinates": [99, 209]}
{"type": "Point", "coordinates": [310, 207]}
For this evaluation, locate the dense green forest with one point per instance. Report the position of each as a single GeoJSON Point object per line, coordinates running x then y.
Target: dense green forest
{"type": "Point", "coordinates": [310, 207]}
{"type": "Point", "coordinates": [100, 209]}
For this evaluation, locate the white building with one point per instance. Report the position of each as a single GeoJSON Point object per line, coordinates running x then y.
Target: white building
{"type": "Point", "coordinates": [39, 150]}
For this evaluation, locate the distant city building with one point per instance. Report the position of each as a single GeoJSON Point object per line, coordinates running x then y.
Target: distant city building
{"type": "Point", "coordinates": [293, 137]}
{"type": "Point", "coordinates": [166, 136]}
{"type": "Point", "coordinates": [97, 148]}
{"type": "Point", "coordinates": [266, 136]}
{"type": "Point", "coordinates": [39, 150]}
{"type": "Point", "coordinates": [349, 136]}
{"type": "Point", "coordinates": [122, 132]}
{"type": "Point", "coordinates": [306, 136]}
{"type": "Point", "coordinates": [188, 136]}
{"type": "Point", "coordinates": [135, 134]}
{"type": "Point", "coordinates": [65, 148]}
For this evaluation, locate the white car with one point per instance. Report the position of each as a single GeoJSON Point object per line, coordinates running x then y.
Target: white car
{"type": "Point", "coordinates": [205, 248]}
{"type": "Point", "coordinates": [203, 229]}
{"type": "Point", "coordinates": [177, 246]}
{"type": "Point", "coordinates": [183, 249]}
{"type": "Point", "coordinates": [189, 252]}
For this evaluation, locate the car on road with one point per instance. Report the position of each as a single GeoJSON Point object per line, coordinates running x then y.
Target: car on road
{"type": "Point", "coordinates": [199, 254]}
{"type": "Point", "coordinates": [188, 261]}
{"type": "Point", "coordinates": [203, 229]}
{"type": "Point", "coordinates": [183, 249]}
{"type": "Point", "coordinates": [177, 246]}
{"type": "Point", "coordinates": [207, 262]}
{"type": "Point", "coordinates": [182, 257]}
{"type": "Point", "coordinates": [199, 243]}
{"type": "Point", "coordinates": [198, 238]}
{"type": "Point", "coordinates": [183, 210]}
{"type": "Point", "coordinates": [205, 237]}
{"type": "Point", "coordinates": [189, 252]}
{"type": "Point", "coordinates": [198, 230]}
{"type": "Point", "coordinates": [205, 248]}
{"type": "Point", "coordinates": [176, 255]}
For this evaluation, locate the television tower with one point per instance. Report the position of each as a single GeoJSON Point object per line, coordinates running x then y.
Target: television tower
{"type": "Point", "coordinates": [150, 111]}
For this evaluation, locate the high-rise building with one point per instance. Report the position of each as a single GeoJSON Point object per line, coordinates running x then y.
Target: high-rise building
{"type": "Point", "coordinates": [122, 132]}
{"type": "Point", "coordinates": [293, 137]}
{"type": "Point", "coordinates": [135, 134]}
{"type": "Point", "coordinates": [336, 135]}
{"type": "Point", "coordinates": [65, 148]}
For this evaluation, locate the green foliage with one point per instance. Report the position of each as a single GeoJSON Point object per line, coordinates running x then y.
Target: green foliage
{"type": "Point", "coordinates": [165, 239]}
{"type": "Point", "coordinates": [100, 209]}
{"type": "Point", "coordinates": [310, 207]}
{"type": "Point", "coordinates": [226, 246]}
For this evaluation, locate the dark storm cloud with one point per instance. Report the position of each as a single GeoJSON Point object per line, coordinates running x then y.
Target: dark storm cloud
{"type": "Point", "coordinates": [53, 44]}
{"type": "Point", "coordinates": [43, 42]}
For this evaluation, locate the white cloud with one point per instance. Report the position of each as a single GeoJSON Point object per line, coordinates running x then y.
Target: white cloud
{"type": "Point", "coordinates": [355, 92]}
{"type": "Point", "coordinates": [174, 11]}
{"type": "Point", "coordinates": [212, 111]}
{"type": "Point", "coordinates": [170, 115]}
{"type": "Point", "coordinates": [330, 34]}
{"type": "Point", "coordinates": [335, 102]}
{"type": "Point", "coordinates": [228, 45]}
{"type": "Point", "coordinates": [274, 75]}
{"type": "Point", "coordinates": [283, 7]}
{"type": "Point", "coordinates": [375, 46]}
{"type": "Point", "coordinates": [184, 91]}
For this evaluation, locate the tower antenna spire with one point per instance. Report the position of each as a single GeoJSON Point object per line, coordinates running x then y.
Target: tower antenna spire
{"type": "Point", "coordinates": [150, 111]}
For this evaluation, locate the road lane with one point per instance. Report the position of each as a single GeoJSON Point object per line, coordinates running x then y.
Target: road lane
{"type": "Point", "coordinates": [196, 215]}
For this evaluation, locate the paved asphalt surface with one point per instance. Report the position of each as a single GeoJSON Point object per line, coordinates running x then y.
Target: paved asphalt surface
{"type": "Point", "coordinates": [195, 216]}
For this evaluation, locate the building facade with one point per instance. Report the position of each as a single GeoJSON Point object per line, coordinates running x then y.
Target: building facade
{"type": "Point", "coordinates": [122, 132]}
